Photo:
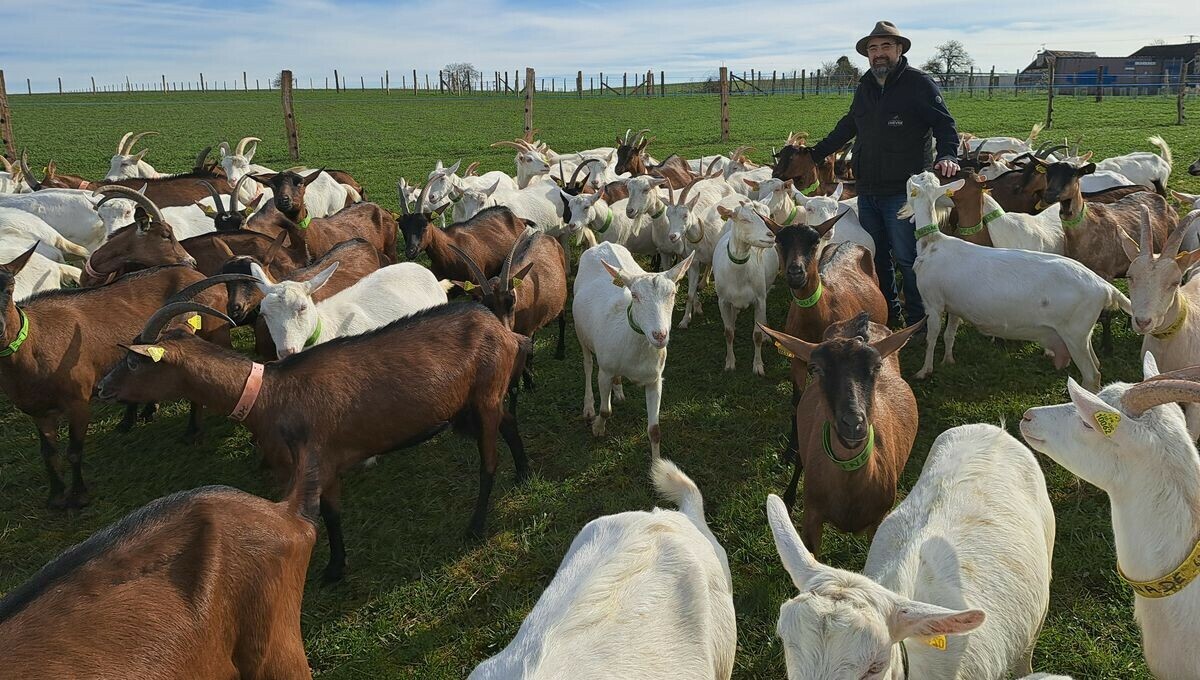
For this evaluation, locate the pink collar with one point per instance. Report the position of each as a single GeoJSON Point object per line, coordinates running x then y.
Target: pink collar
{"type": "Point", "coordinates": [250, 392]}
{"type": "Point", "coordinates": [87, 267]}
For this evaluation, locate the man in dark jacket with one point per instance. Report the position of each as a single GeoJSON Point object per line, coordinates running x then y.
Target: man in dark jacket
{"type": "Point", "coordinates": [896, 108]}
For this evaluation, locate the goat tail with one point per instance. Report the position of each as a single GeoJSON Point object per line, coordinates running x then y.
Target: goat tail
{"type": "Point", "coordinates": [304, 498]}
{"type": "Point", "coordinates": [69, 273]}
{"type": "Point", "coordinates": [1035, 131]}
{"type": "Point", "coordinates": [678, 488]}
{"type": "Point", "coordinates": [1163, 149]}
{"type": "Point", "coordinates": [352, 194]}
{"type": "Point", "coordinates": [1117, 300]}
{"type": "Point", "coordinates": [524, 358]}
{"type": "Point", "coordinates": [70, 248]}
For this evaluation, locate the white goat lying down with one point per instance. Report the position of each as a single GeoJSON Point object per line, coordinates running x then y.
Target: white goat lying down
{"type": "Point", "coordinates": [1143, 167]}
{"type": "Point", "coordinates": [296, 322]}
{"type": "Point", "coordinates": [1014, 294]}
{"type": "Point", "coordinates": [1132, 442]}
{"type": "Point", "coordinates": [38, 273]}
{"type": "Point", "coordinates": [968, 550]}
{"type": "Point", "coordinates": [638, 596]}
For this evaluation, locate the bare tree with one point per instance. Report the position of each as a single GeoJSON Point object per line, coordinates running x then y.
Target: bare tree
{"type": "Point", "coordinates": [460, 76]}
{"type": "Point", "coordinates": [841, 73]}
{"type": "Point", "coordinates": [949, 61]}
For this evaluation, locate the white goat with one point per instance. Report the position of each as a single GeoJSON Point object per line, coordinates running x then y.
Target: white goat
{"type": "Point", "coordinates": [39, 273]}
{"type": "Point", "coordinates": [128, 165]}
{"type": "Point", "coordinates": [1132, 442]}
{"type": "Point", "coordinates": [706, 164]}
{"type": "Point", "coordinates": [623, 318]}
{"type": "Point", "coordinates": [22, 229]}
{"type": "Point", "coordinates": [777, 195]}
{"type": "Point", "coordinates": [744, 267]}
{"type": "Point", "coordinates": [296, 322]}
{"type": "Point", "coordinates": [1143, 167]}
{"type": "Point", "coordinates": [1002, 144]}
{"type": "Point", "coordinates": [73, 213]}
{"type": "Point", "coordinates": [821, 209]}
{"type": "Point", "coordinates": [1014, 294]}
{"type": "Point", "coordinates": [531, 161]}
{"type": "Point", "coordinates": [1165, 310]}
{"type": "Point", "coordinates": [740, 168]}
{"type": "Point", "coordinates": [968, 549]}
{"type": "Point", "coordinates": [638, 596]}
{"type": "Point", "coordinates": [237, 162]}
{"type": "Point", "coordinates": [609, 223]}
{"type": "Point", "coordinates": [1041, 233]}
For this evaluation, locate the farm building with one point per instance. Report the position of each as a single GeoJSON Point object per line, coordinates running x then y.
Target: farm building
{"type": "Point", "coordinates": [1152, 69]}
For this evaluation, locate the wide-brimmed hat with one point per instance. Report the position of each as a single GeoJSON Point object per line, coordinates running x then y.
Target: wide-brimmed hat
{"type": "Point", "coordinates": [884, 29]}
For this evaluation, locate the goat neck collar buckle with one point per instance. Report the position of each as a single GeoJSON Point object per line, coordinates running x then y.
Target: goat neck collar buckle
{"type": "Point", "coordinates": [811, 299]}
{"type": "Point", "coordinates": [661, 209]}
{"type": "Point", "coordinates": [1170, 584]}
{"type": "Point", "coordinates": [983, 222]}
{"type": "Point", "coordinates": [926, 230]}
{"type": "Point", "coordinates": [807, 191]}
{"type": "Point", "coordinates": [303, 224]}
{"type": "Point", "coordinates": [316, 335]}
{"type": "Point", "coordinates": [250, 392]}
{"type": "Point", "coordinates": [1074, 221]}
{"type": "Point", "coordinates": [633, 324]}
{"type": "Point", "coordinates": [1169, 331]}
{"type": "Point", "coordinates": [607, 223]}
{"type": "Point", "coordinates": [791, 218]}
{"type": "Point", "coordinates": [15, 345]}
{"type": "Point", "coordinates": [732, 258]}
{"type": "Point", "coordinates": [855, 462]}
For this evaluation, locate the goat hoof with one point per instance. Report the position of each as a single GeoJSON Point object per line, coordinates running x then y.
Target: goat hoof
{"type": "Point", "coordinates": [523, 476]}
{"type": "Point", "coordinates": [760, 371]}
{"type": "Point", "coordinates": [948, 362]}
{"type": "Point", "coordinates": [598, 427]}
{"type": "Point", "coordinates": [921, 375]}
{"type": "Point", "coordinates": [333, 573]}
{"type": "Point", "coordinates": [789, 499]}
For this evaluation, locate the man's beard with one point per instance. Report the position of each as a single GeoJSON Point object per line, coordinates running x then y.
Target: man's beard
{"type": "Point", "coordinates": [881, 71]}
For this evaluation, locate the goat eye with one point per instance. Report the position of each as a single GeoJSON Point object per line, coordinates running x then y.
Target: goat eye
{"type": "Point", "coordinates": [131, 363]}
{"type": "Point", "coordinates": [1086, 424]}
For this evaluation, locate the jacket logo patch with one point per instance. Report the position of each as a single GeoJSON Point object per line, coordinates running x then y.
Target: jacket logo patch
{"type": "Point", "coordinates": [895, 122]}
{"type": "Point", "coordinates": [938, 99]}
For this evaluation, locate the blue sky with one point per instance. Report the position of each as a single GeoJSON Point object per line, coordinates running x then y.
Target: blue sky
{"type": "Point", "coordinates": [146, 38]}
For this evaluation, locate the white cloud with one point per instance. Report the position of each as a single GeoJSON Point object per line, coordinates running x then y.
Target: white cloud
{"type": "Point", "coordinates": [146, 38]}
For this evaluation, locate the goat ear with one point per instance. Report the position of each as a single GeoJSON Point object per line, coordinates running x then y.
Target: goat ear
{"type": "Point", "coordinates": [249, 152]}
{"type": "Point", "coordinates": [789, 185]}
{"type": "Point", "coordinates": [1092, 410]}
{"type": "Point", "coordinates": [152, 352]}
{"type": "Point", "coordinates": [824, 228]}
{"type": "Point", "coordinates": [223, 247]}
{"type": "Point", "coordinates": [142, 218]}
{"type": "Point", "coordinates": [612, 155]}
{"type": "Point", "coordinates": [724, 212]}
{"type": "Point", "coordinates": [617, 278]}
{"type": "Point", "coordinates": [691, 204]}
{"type": "Point", "coordinates": [953, 186]}
{"type": "Point", "coordinates": [892, 343]}
{"type": "Point", "coordinates": [264, 281]}
{"type": "Point", "coordinates": [752, 184]}
{"type": "Point", "coordinates": [1149, 366]}
{"type": "Point", "coordinates": [312, 177]}
{"type": "Point", "coordinates": [206, 209]}
{"type": "Point", "coordinates": [265, 179]}
{"type": "Point", "coordinates": [321, 279]}
{"type": "Point", "coordinates": [676, 273]}
{"type": "Point", "coordinates": [223, 149]}
{"type": "Point", "coordinates": [1130, 246]}
{"type": "Point", "coordinates": [799, 348]}
{"type": "Point", "coordinates": [252, 205]}
{"type": "Point", "coordinates": [1086, 169]}
{"type": "Point", "coordinates": [141, 154]}
{"type": "Point", "coordinates": [1186, 259]}
{"type": "Point", "coordinates": [919, 619]}
{"type": "Point", "coordinates": [837, 193]}
{"type": "Point", "coordinates": [1189, 199]}
{"type": "Point", "coordinates": [51, 169]}
{"type": "Point", "coordinates": [16, 265]}
{"type": "Point", "coordinates": [519, 277]}
{"type": "Point", "coordinates": [797, 560]}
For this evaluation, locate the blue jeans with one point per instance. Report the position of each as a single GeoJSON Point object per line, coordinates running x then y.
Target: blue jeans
{"type": "Point", "coordinates": [894, 237]}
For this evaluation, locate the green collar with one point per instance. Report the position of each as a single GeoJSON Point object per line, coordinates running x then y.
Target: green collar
{"type": "Point", "coordinates": [1071, 223]}
{"type": "Point", "coordinates": [21, 335]}
{"type": "Point", "coordinates": [661, 210]}
{"type": "Point", "coordinates": [811, 187]}
{"type": "Point", "coordinates": [792, 216]}
{"type": "Point", "coordinates": [607, 224]}
{"type": "Point", "coordinates": [633, 324]}
{"type": "Point", "coordinates": [316, 335]}
{"type": "Point", "coordinates": [926, 230]}
{"type": "Point", "coordinates": [1169, 331]}
{"type": "Point", "coordinates": [984, 221]}
{"type": "Point", "coordinates": [700, 228]}
{"type": "Point", "coordinates": [811, 299]}
{"type": "Point", "coordinates": [855, 462]}
{"type": "Point", "coordinates": [303, 224]}
{"type": "Point", "coordinates": [729, 252]}
{"type": "Point", "coordinates": [453, 199]}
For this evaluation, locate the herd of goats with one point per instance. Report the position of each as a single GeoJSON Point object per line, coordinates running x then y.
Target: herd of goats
{"type": "Point", "coordinates": [359, 354]}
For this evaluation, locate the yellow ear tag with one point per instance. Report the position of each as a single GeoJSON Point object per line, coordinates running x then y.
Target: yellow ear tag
{"type": "Point", "coordinates": [1041, 169]}
{"type": "Point", "coordinates": [938, 642]}
{"type": "Point", "coordinates": [516, 282]}
{"type": "Point", "coordinates": [468, 286]}
{"type": "Point", "coordinates": [156, 353]}
{"type": "Point", "coordinates": [950, 193]}
{"type": "Point", "coordinates": [194, 322]}
{"type": "Point", "coordinates": [784, 350]}
{"type": "Point", "coordinates": [208, 211]}
{"type": "Point", "coordinates": [618, 281]}
{"type": "Point", "coordinates": [914, 193]}
{"type": "Point", "coordinates": [1107, 421]}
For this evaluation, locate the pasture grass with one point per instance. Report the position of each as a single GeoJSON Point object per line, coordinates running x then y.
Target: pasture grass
{"type": "Point", "coordinates": [420, 600]}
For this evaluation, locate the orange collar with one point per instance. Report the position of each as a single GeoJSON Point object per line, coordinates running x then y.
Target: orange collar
{"type": "Point", "coordinates": [87, 267]}
{"type": "Point", "coordinates": [250, 392]}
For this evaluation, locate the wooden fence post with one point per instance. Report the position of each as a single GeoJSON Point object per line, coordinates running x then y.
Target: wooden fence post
{"type": "Point", "coordinates": [337, 83]}
{"type": "Point", "coordinates": [529, 83]}
{"type": "Point", "coordinates": [724, 103]}
{"type": "Point", "coordinates": [1179, 112]}
{"type": "Point", "coordinates": [289, 115]}
{"type": "Point", "coordinates": [441, 83]}
{"type": "Point", "coordinates": [60, 84]}
{"type": "Point", "coordinates": [579, 84]}
{"type": "Point", "coordinates": [803, 77]}
{"type": "Point", "coordinates": [662, 83]}
{"type": "Point", "coordinates": [427, 88]}
{"type": "Point", "coordinates": [650, 83]}
{"type": "Point", "coordinates": [387, 82]}
{"type": "Point", "coordinates": [93, 84]}
{"type": "Point", "coordinates": [10, 146]}
{"type": "Point", "coordinates": [202, 87]}
{"type": "Point", "coordinates": [1100, 84]}
{"type": "Point", "coordinates": [991, 81]}
{"type": "Point", "coordinates": [624, 82]}
{"type": "Point", "coordinates": [1050, 97]}
{"type": "Point", "coordinates": [362, 83]}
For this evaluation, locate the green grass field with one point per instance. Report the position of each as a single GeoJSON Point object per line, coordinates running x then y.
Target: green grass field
{"type": "Point", "coordinates": [420, 601]}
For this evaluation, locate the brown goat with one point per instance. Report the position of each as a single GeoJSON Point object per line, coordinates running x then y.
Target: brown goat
{"type": "Point", "coordinates": [631, 158]}
{"type": "Point", "coordinates": [319, 235]}
{"type": "Point", "coordinates": [1095, 231]}
{"type": "Point", "coordinates": [486, 238]}
{"type": "Point", "coordinates": [53, 180]}
{"type": "Point", "coordinates": [202, 584]}
{"type": "Point", "coordinates": [795, 162]}
{"type": "Point", "coordinates": [827, 284]}
{"type": "Point", "coordinates": [147, 242]}
{"type": "Point", "coordinates": [64, 342]}
{"type": "Point", "coordinates": [856, 421]}
{"type": "Point", "coordinates": [351, 398]}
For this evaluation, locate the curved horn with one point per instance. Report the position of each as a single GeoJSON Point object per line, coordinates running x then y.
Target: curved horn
{"type": "Point", "coordinates": [1146, 395]}
{"type": "Point", "coordinates": [688, 187]}
{"type": "Point", "coordinates": [162, 317]}
{"type": "Point", "coordinates": [201, 157]}
{"type": "Point", "coordinates": [30, 179]}
{"type": "Point", "coordinates": [403, 199]}
{"type": "Point", "coordinates": [476, 272]}
{"type": "Point", "coordinates": [241, 145]}
{"type": "Point", "coordinates": [7, 166]}
{"type": "Point", "coordinates": [138, 136]}
{"type": "Point", "coordinates": [506, 268]}
{"type": "Point", "coordinates": [212, 191]}
{"type": "Point", "coordinates": [1171, 246]}
{"type": "Point", "coordinates": [185, 294]}
{"type": "Point", "coordinates": [237, 188]}
{"type": "Point", "coordinates": [110, 191]}
{"type": "Point", "coordinates": [581, 166]}
{"type": "Point", "coordinates": [422, 196]}
{"type": "Point", "coordinates": [471, 169]}
{"type": "Point", "coordinates": [1056, 147]}
{"type": "Point", "coordinates": [1146, 241]}
{"type": "Point", "coordinates": [637, 139]}
{"type": "Point", "coordinates": [121, 144]}
{"type": "Point", "coordinates": [515, 145]}
{"type": "Point", "coordinates": [627, 133]}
